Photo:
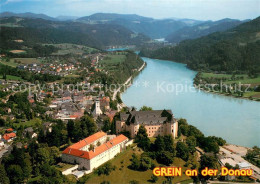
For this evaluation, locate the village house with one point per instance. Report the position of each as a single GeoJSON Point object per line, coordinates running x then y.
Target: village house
{"type": "Point", "coordinates": [8, 137]}
{"type": "Point", "coordinates": [94, 150]}
{"type": "Point", "coordinates": [156, 122]}
{"type": "Point", "coordinates": [29, 132]}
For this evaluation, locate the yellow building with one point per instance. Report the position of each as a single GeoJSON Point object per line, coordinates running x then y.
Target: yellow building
{"type": "Point", "coordinates": [156, 122]}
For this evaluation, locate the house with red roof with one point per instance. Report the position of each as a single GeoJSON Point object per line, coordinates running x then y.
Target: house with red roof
{"type": "Point", "coordinates": [94, 150]}
{"type": "Point", "coordinates": [9, 137]}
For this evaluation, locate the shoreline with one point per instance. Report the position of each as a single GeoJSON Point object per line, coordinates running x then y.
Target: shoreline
{"type": "Point", "coordinates": [120, 106]}
{"type": "Point", "coordinates": [227, 95]}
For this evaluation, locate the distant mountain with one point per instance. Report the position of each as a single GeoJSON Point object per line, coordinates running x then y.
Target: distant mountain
{"type": "Point", "coordinates": [66, 18]}
{"type": "Point", "coordinates": [189, 22]}
{"type": "Point", "coordinates": [46, 31]}
{"type": "Point", "coordinates": [147, 26]}
{"type": "Point", "coordinates": [236, 49]}
{"type": "Point", "coordinates": [26, 15]}
{"type": "Point", "coordinates": [99, 17]}
{"type": "Point", "coordinates": [202, 29]}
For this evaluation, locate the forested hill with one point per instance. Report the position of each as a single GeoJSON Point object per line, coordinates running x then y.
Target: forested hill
{"type": "Point", "coordinates": [236, 49]}
{"type": "Point", "coordinates": [202, 29]}
{"type": "Point", "coordinates": [153, 28]}
{"type": "Point", "coordinates": [46, 31]}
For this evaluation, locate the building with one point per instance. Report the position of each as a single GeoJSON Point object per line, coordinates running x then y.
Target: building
{"type": "Point", "coordinates": [9, 137]}
{"type": "Point", "coordinates": [244, 165]}
{"type": "Point", "coordinates": [94, 150]}
{"type": "Point", "coordinates": [156, 122]}
{"type": "Point", "coordinates": [97, 111]}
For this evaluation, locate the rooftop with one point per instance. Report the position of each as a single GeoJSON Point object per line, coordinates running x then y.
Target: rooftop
{"type": "Point", "coordinates": [147, 117]}
{"type": "Point", "coordinates": [98, 150]}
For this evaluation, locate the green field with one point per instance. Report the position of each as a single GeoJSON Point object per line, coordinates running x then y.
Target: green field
{"type": "Point", "coordinates": [30, 123]}
{"type": "Point", "coordinates": [12, 77]}
{"type": "Point", "coordinates": [245, 79]}
{"type": "Point", "coordinates": [110, 62]}
{"type": "Point", "coordinates": [125, 175]}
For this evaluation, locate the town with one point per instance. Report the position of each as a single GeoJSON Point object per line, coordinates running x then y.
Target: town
{"type": "Point", "coordinates": [94, 92]}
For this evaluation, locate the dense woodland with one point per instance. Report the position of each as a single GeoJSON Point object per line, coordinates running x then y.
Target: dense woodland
{"type": "Point", "coordinates": [202, 29]}
{"type": "Point", "coordinates": [234, 50]}
{"type": "Point", "coordinates": [45, 31]}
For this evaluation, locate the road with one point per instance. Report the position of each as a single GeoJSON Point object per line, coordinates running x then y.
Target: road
{"type": "Point", "coordinates": [127, 81]}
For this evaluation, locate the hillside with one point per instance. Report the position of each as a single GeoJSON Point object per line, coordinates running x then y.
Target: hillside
{"type": "Point", "coordinates": [236, 49]}
{"type": "Point", "coordinates": [202, 29]}
{"type": "Point", "coordinates": [26, 15]}
{"type": "Point", "coordinates": [45, 31]}
{"type": "Point", "coordinates": [148, 26]}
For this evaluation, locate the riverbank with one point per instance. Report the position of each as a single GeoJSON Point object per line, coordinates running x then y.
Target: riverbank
{"type": "Point", "coordinates": [237, 86]}
{"type": "Point", "coordinates": [213, 114]}
{"type": "Point", "coordinates": [118, 90]}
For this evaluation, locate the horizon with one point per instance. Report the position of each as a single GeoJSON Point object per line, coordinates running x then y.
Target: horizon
{"type": "Point", "coordinates": [173, 18]}
{"type": "Point", "coordinates": [165, 9]}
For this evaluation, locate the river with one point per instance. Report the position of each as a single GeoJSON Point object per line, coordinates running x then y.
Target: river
{"type": "Point", "coordinates": [160, 86]}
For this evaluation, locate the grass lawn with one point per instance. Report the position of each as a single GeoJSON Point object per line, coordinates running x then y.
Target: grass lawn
{"type": "Point", "coordinates": [12, 77]}
{"type": "Point", "coordinates": [63, 166]}
{"type": "Point", "coordinates": [72, 75]}
{"type": "Point", "coordinates": [246, 79]}
{"type": "Point", "coordinates": [113, 59]}
{"type": "Point", "coordinates": [30, 123]}
{"type": "Point", "coordinates": [125, 175]}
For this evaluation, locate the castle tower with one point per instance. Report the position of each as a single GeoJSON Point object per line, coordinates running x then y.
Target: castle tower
{"type": "Point", "coordinates": [97, 111]}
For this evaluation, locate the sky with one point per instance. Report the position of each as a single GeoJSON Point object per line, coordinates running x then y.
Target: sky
{"type": "Point", "coordinates": [193, 9]}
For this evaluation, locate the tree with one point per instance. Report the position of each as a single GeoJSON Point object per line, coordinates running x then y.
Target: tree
{"type": "Point", "coordinates": [165, 157]}
{"type": "Point", "coordinates": [106, 125]}
{"type": "Point", "coordinates": [145, 163]}
{"type": "Point", "coordinates": [70, 129]}
{"type": "Point", "coordinates": [182, 151]}
{"type": "Point", "coordinates": [145, 108]}
{"type": "Point", "coordinates": [2, 122]}
{"type": "Point", "coordinates": [191, 142]}
{"type": "Point", "coordinates": [154, 178]}
{"type": "Point", "coordinates": [15, 174]}
{"type": "Point", "coordinates": [209, 161]}
{"type": "Point", "coordinates": [135, 163]}
{"type": "Point", "coordinates": [142, 138]}
{"type": "Point", "coordinates": [27, 166]}
{"type": "Point", "coordinates": [43, 156]}
{"type": "Point", "coordinates": [169, 143]}
{"type": "Point", "coordinates": [3, 176]}
{"type": "Point", "coordinates": [159, 143]}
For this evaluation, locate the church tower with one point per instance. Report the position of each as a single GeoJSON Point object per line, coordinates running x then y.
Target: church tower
{"type": "Point", "coordinates": [97, 111]}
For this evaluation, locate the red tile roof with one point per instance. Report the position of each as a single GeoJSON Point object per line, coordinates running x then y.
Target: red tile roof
{"type": "Point", "coordinates": [9, 136]}
{"type": "Point", "coordinates": [9, 130]}
{"type": "Point", "coordinates": [73, 150]}
{"type": "Point", "coordinates": [88, 140]}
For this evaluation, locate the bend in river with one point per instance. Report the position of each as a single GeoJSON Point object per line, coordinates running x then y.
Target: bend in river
{"type": "Point", "coordinates": [169, 85]}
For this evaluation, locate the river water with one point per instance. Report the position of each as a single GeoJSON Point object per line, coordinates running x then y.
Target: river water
{"type": "Point", "coordinates": [168, 85]}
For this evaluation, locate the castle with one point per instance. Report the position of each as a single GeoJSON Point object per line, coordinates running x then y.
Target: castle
{"type": "Point", "coordinates": [156, 122]}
